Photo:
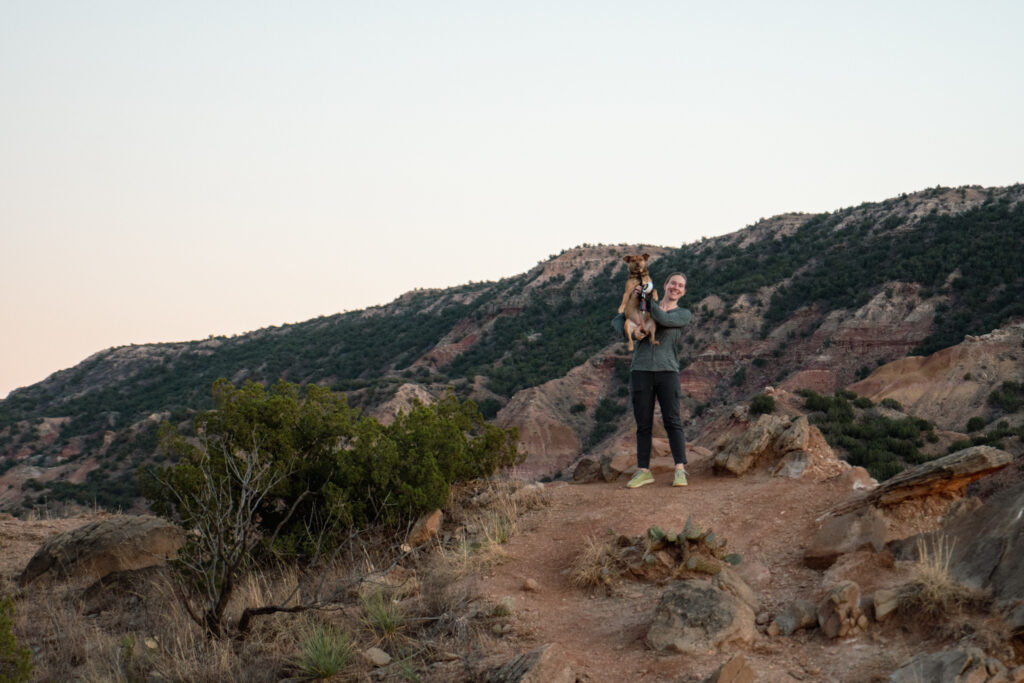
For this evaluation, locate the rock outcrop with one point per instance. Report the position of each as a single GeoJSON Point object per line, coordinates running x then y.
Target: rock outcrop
{"type": "Point", "coordinates": [947, 475]}
{"type": "Point", "coordinates": [403, 401]}
{"type": "Point", "coordinates": [117, 544]}
{"type": "Point", "coordinates": [790, 448]}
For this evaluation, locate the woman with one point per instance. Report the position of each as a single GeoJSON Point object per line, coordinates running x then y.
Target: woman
{"type": "Point", "coordinates": [654, 374]}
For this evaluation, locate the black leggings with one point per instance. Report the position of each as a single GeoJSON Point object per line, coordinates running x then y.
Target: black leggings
{"type": "Point", "coordinates": [645, 386]}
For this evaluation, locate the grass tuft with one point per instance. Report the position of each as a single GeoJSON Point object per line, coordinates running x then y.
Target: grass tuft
{"type": "Point", "coordinates": [598, 564]}
{"type": "Point", "coordinates": [932, 593]}
{"type": "Point", "coordinates": [325, 652]}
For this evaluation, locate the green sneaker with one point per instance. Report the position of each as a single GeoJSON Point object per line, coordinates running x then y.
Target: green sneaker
{"type": "Point", "coordinates": [680, 478]}
{"type": "Point", "coordinates": [641, 478]}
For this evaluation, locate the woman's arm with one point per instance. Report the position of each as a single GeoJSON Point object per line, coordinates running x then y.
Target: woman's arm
{"type": "Point", "coordinates": [677, 317]}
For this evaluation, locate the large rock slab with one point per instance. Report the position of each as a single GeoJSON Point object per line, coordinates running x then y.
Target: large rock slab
{"type": "Point", "coordinates": [987, 550]}
{"type": "Point", "coordinates": [947, 475]}
{"type": "Point", "coordinates": [695, 618]}
{"type": "Point", "coordinates": [117, 544]}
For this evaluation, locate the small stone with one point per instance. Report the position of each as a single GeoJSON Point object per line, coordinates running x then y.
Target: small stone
{"type": "Point", "coordinates": [885, 601]}
{"type": "Point", "coordinates": [763, 618]}
{"type": "Point", "coordinates": [377, 657]}
{"type": "Point", "coordinates": [150, 643]}
{"type": "Point", "coordinates": [531, 585]}
{"type": "Point", "coordinates": [773, 629]}
{"type": "Point", "coordinates": [862, 622]}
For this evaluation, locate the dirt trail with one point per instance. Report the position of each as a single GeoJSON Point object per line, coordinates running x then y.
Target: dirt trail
{"type": "Point", "coordinates": [767, 520]}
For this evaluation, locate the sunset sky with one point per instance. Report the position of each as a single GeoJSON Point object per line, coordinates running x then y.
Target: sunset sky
{"type": "Point", "coordinates": [174, 170]}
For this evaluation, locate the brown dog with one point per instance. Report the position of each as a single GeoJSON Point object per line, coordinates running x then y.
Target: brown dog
{"type": "Point", "coordinates": [638, 321]}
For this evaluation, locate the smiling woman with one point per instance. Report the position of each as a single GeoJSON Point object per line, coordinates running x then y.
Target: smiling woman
{"type": "Point", "coordinates": [654, 375]}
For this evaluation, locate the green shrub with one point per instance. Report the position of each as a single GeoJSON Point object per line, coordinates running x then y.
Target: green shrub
{"type": "Point", "coordinates": [761, 404]}
{"type": "Point", "coordinates": [577, 408]}
{"type": "Point", "coordinates": [892, 403]}
{"type": "Point", "coordinates": [341, 469]}
{"type": "Point", "coordinates": [975, 423]}
{"type": "Point", "coordinates": [489, 407]}
{"type": "Point", "coordinates": [1008, 398]}
{"type": "Point", "coordinates": [15, 662]}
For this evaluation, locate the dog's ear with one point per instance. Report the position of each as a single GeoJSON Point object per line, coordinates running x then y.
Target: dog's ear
{"type": "Point", "coordinates": [627, 257]}
{"type": "Point", "coordinates": [646, 256]}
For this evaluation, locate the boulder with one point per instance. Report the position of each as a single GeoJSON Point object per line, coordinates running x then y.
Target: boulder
{"type": "Point", "coordinates": [693, 617]}
{"type": "Point", "coordinates": [117, 544]}
{"type": "Point", "coordinates": [948, 666]}
{"type": "Point", "coordinates": [846, 534]}
{"type": "Point", "coordinates": [546, 664]}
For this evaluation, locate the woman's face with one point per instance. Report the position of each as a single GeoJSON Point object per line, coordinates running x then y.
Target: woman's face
{"type": "Point", "coordinates": [675, 288]}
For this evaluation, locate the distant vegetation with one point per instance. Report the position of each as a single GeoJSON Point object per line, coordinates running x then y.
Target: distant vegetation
{"type": "Point", "coordinates": [844, 269]}
{"type": "Point", "coordinates": [882, 445]}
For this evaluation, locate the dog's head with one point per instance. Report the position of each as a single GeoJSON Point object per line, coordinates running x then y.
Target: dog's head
{"type": "Point", "coordinates": [637, 264]}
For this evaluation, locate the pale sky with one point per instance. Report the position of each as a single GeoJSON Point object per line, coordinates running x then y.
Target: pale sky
{"type": "Point", "coordinates": [171, 170]}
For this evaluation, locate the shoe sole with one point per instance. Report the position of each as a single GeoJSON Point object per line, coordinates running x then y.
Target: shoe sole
{"type": "Point", "coordinates": [643, 483]}
{"type": "Point", "coordinates": [686, 483]}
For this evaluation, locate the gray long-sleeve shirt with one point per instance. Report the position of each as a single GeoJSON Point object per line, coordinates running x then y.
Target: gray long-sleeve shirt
{"type": "Point", "coordinates": [647, 356]}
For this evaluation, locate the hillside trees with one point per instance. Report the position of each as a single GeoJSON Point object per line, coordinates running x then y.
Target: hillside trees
{"type": "Point", "coordinates": [286, 473]}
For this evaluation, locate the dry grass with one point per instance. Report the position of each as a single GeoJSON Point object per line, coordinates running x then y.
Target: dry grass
{"type": "Point", "coordinates": [139, 630]}
{"type": "Point", "coordinates": [932, 595]}
{"type": "Point", "coordinates": [598, 564]}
